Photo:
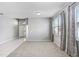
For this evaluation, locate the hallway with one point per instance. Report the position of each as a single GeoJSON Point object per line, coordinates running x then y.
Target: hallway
{"type": "Point", "coordinates": [38, 49]}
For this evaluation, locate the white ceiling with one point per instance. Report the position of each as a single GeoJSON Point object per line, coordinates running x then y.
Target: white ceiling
{"type": "Point", "coordinates": [28, 9]}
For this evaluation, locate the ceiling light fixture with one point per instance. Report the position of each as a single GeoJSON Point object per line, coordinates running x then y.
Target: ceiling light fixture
{"type": "Point", "coordinates": [38, 13]}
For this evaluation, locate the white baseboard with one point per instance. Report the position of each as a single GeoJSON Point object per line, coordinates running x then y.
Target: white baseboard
{"type": "Point", "coordinates": [38, 40]}
{"type": "Point", "coordinates": [2, 42]}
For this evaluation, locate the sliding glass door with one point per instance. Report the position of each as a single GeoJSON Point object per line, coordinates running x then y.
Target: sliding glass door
{"type": "Point", "coordinates": [59, 30]}
{"type": "Point", "coordinates": [55, 25]}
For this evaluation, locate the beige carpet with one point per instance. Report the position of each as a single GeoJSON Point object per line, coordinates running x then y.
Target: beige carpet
{"type": "Point", "coordinates": [38, 49]}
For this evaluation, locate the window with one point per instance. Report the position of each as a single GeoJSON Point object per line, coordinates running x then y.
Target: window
{"type": "Point", "coordinates": [77, 21]}
{"type": "Point", "coordinates": [59, 28]}
{"type": "Point", "coordinates": [57, 25]}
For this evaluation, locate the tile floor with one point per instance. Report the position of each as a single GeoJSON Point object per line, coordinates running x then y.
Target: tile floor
{"type": "Point", "coordinates": [38, 49]}
{"type": "Point", "coordinates": [8, 47]}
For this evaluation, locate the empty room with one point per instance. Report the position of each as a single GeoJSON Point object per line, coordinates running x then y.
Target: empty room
{"type": "Point", "coordinates": [39, 29]}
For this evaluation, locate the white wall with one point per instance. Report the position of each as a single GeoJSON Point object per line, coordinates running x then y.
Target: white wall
{"type": "Point", "coordinates": [38, 29]}
{"type": "Point", "coordinates": [7, 29]}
